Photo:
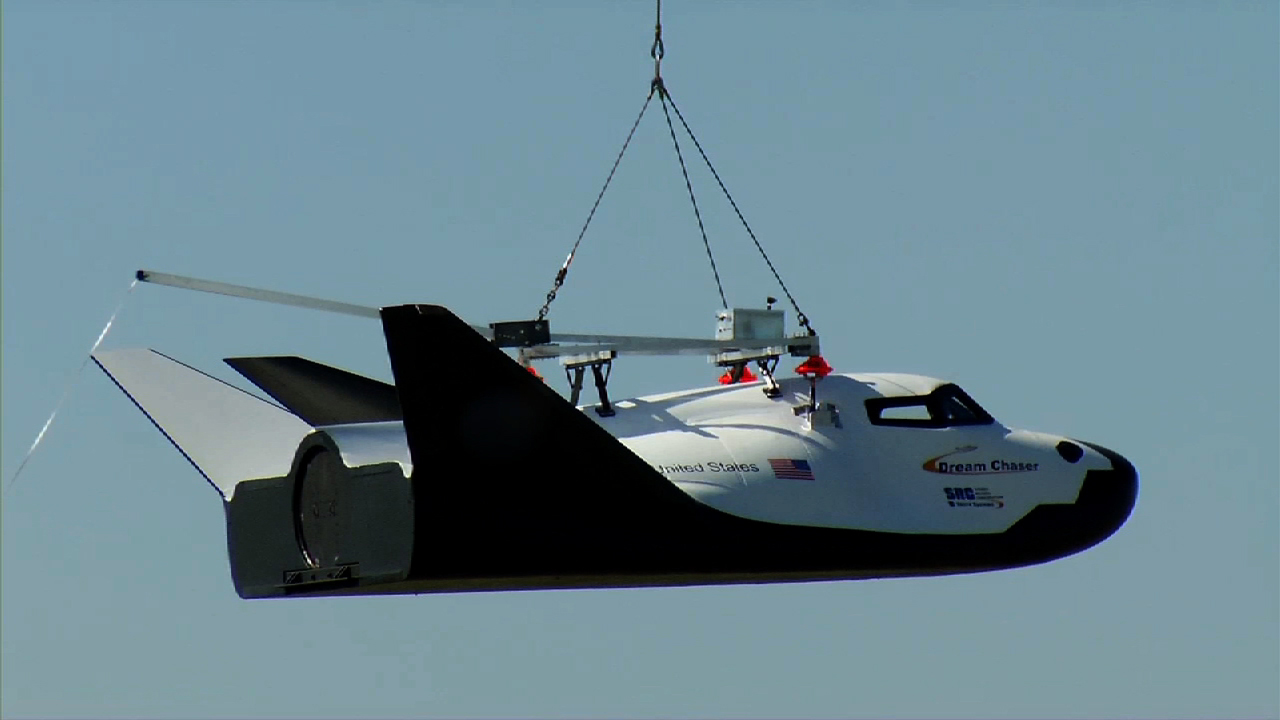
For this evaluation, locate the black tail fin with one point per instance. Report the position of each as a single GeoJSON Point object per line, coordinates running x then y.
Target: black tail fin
{"type": "Point", "coordinates": [508, 476]}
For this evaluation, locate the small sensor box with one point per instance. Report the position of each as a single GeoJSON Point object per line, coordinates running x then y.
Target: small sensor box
{"type": "Point", "coordinates": [749, 324]}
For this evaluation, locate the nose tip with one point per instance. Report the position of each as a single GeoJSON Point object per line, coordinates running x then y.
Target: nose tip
{"type": "Point", "coordinates": [1110, 494]}
{"type": "Point", "coordinates": [1105, 500]}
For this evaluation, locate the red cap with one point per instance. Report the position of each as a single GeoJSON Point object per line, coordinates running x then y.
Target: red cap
{"type": "Point", "coordinates": [747, 376]}
{"type": "Point", "coordinates": [815, 366]}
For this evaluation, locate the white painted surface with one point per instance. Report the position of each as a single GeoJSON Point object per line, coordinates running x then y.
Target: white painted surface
{"type": "Point", "coordinates": [716, 443]}
{"type": "Point", "coordinates": [228, 434]}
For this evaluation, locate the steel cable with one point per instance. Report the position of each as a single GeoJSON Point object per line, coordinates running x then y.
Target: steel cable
{"type": "Point", "coordinates": [564, 269]}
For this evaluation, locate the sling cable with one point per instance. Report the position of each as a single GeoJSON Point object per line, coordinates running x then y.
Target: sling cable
{"type": "Point", "coordinates": [814, 367]}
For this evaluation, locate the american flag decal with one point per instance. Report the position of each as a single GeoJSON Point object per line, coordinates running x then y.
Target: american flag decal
{"type": "Point", "coordinates": [788, 469]}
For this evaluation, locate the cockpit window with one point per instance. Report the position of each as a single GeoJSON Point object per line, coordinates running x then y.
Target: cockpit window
{"type": "Point", "coordinates": [919, 411]}
{"type": "Point", "coordinates": [947, 406]}
{"type": "Point", "coordinates": [954, 411]}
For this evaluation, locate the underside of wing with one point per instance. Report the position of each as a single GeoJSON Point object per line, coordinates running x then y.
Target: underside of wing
{"type": "Point", "coordinates": [320, 394]}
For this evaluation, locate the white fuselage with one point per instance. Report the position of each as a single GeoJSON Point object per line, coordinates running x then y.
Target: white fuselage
{"type": "Point", "coordinates": [736, 450]}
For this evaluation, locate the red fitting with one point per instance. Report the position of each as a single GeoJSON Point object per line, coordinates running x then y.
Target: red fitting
{"type": "Point", "coordinates": [814, 366]}
{"type": "Point", "coordinates": [747, 376]}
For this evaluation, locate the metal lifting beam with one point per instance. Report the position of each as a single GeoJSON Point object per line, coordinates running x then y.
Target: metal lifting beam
{"type": "Point", "coordinates": [561, 344]}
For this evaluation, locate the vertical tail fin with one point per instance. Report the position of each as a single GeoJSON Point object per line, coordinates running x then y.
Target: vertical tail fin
{"type": "Point", "coordinates": [498, 454]}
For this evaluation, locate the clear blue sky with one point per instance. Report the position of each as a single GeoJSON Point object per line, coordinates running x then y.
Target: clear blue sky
{"type": "Point", "coordinates": [1068, 209]}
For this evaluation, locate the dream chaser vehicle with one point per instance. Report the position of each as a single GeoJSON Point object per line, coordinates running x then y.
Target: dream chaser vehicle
{"type": "Point", "coordinates": [351, 486]}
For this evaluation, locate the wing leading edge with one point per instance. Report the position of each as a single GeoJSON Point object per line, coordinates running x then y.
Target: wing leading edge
{"type": "Point", "coordinates": [228, 434]}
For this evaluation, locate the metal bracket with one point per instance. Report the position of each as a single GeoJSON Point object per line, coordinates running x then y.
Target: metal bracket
{"type": "Point", "coordinates": [766, 359]}
{"type": "Point", "coordinates": [521, 333]}
{"type": "Point", "coordinates": [601, 364]}
{"type": "Point", "coordinates": [826, 414]}
{"type": "Point", "coordinates": [808, 409]}
{"type": "Point", "coordinates": [296, 579]}
{"type": "Point", "coordinates": [767, 366]}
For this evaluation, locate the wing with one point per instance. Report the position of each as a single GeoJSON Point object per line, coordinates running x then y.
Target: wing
{"type": "Point", "coordinates": [320, 394]}
{"type": "Point", "coordinates": [226, 433]}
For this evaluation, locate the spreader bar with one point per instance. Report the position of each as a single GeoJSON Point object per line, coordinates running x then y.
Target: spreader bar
{"type": "Point", "coordinates": [573, 343]}
{"type": "Point", "coordinates": [271, 296]}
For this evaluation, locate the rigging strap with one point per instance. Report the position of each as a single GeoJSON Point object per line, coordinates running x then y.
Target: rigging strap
{"type": "Point", "coordinates": [801, 318]}
{"type": "Point", "coordinates": [656, 51]}
{"type": "Point", "coordinates": [564, 269]}
{"type": "Point", "coordinates": [662, 97]}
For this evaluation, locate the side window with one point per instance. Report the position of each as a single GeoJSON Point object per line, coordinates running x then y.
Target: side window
{"type": "Point", "coordinates": [902, 412]}
{"type": "Point", "coordinates": [916, 412]}
{"type": "Point", "coordinates": [947, 406]}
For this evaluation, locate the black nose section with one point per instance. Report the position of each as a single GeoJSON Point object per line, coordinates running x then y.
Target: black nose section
{"type": "Point", "coordinates": [1108, 496]}
{"type": "Point", "coordinates": [1052, 531]}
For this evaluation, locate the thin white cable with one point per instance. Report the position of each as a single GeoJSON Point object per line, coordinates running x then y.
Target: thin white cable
{"type": "Point", "coordinates": [70, 386]}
